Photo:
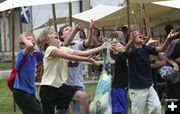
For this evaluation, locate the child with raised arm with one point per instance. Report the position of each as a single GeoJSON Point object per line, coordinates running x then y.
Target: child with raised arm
{"type": "Point", "coordinates": [119, 85]}
{"type": "Point", "coordinates": [54, 91]}
{"type": "Point", "coordinates": [140, 80]}
{"type": "Point", "coordinates": [24, 85]}
{"type": "Point", "coordinates": [75, 68]}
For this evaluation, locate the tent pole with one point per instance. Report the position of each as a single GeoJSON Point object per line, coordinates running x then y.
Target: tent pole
{"type": "Point", "coordinates": [80, 6]}
{"type": "Point", "coordinates": [13, 48]}
{"type": "Point", "coordinates": [54, 16]}
{"type": "Point", "coordinates": [103, 31]}
{"type": "Point", "coordinates": [70, 13]}
{"type": "Point", "coordinates": [128, 13]}
{"type": "Point", "coordinates": [4, 29]}
{"type": "Point", "coordinates": [140, 18]}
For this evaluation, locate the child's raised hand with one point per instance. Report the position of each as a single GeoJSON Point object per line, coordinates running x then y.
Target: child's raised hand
{"type": "Point", "coordinates": [104, 45]}
{"type": "Point", "coordinates": [151, 40]}
{"type": "Point", "coordinates": [132, 35]}
{"type": "Point", "coordinates": [92, 24]}
{"type": "Point", "coordinates": [172, 34]}
{"type": "Point", "coordinates": [92, 60]}
{"type": "Point", "coordinates": [78, 26]}
{"type": "Point", "coordinates": [117, 48]}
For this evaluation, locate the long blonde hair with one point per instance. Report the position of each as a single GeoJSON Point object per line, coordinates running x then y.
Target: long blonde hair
{"type": "Point", "coordinates": [43, 38]}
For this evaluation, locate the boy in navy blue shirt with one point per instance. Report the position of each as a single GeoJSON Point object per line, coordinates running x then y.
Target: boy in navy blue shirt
{"type": "Point", "coordinates": [140, 80]}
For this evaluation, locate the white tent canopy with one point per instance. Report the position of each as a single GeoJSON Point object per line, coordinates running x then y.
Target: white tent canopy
{"type": "Point", "coordinates": [100, 14]}
{"type": "Point", "coordinates": [172, 3]}
{"type": "Point", "coordinates": [9, 4]}
{"type": "Point", "coordinates": [118, 15]}
{"type": "Point", "coordinates": [105, 15]}
{"type": "Point", "coordinates": [144, 1]}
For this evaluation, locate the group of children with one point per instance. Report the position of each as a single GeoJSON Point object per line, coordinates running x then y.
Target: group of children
{"type": "Point", "coordinates": [56, 90]}
{"type": "Point", "coordinates": [62, 79]}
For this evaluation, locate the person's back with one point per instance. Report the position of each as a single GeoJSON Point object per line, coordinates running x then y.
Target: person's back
{"type": "Point", "coordinates": [119, 85]}
{"type": "Point", "coordinates": [122, 70]}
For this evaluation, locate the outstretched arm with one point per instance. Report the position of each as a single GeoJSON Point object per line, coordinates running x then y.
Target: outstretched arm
{"type": "Point", "coordinates": [177, 60]}
{"type": "Point", "coordinates": [130, 43]}
{"type": "Point", "coordinates": [71, 36]}
{"type": "Point", "coordinates": [90, 51]}
{"type": "Point", "coordinates": [151, 41]}
{"type": "Point", "coordinates": [175, 65]}
{"type": "Point", "coordinates": [167, 41]}
{"type": "Point", "coordinates": [117, 47]}
{"type": "Point", "coordinates": [89, 39]}
{"type": "Point", "coordinates": [62, 54]}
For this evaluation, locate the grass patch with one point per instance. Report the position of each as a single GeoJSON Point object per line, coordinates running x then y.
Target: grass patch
{"type": "Point", "coordinates": [5, 65]}
{"type": "Point", "coordinates": [6, 100]}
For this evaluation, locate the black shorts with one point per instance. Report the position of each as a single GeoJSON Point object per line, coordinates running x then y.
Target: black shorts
{"type": "Point", "coordinates": [59, 97]}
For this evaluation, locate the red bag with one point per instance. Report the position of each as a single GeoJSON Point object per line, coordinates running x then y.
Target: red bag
{"type": "Point", "coordinates": [11, 78]}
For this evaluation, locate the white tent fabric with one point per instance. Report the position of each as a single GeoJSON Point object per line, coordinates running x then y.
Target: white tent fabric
{"type": "Point", "coordinates": [60, 20]}
{"type": "Point", "coordinates": [118, 15]}
{"type": "Point", "coordinates": [99, 14]}
{"type": "Point", "coordinates": [172, 3]}
{"type": "Point", "coordinates": [105, 15]}
{"type": "Point", "coordinates": [9, 4]}
{"type": "Point", "coordinates": [144, 1]}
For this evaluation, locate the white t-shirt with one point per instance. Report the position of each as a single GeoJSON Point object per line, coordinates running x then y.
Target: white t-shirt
{"type": "Point", "coordinates": [55, 68]}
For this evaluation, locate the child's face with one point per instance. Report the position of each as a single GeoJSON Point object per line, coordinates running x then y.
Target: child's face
{"type": "Point", "coordinates": [82, 35]}
{"type": "Point", "coordinates": [53, 37]}
{"type": "Point", "coordinates": [66, 32]}
{"type": "Point", "coordinates": [138, 38]}
{"type": "Point", "coordinates": [32, 39]}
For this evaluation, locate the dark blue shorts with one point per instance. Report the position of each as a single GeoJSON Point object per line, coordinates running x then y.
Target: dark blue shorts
{"type": "Point", "coordinates": [119, 100]}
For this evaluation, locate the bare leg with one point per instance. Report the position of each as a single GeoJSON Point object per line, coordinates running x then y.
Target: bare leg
{"type": "Point", "coordinates": [177, 60]}
{"type": "Point", "coordinates": [68, 111]}
{"type": "Point", "coordinates": [82, 98]}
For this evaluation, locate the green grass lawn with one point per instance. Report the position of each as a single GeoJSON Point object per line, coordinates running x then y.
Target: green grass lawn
{"type": "Point", "coordinates": [5, 65]}
{"type": "Point", "coordinates": [6, 101]}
